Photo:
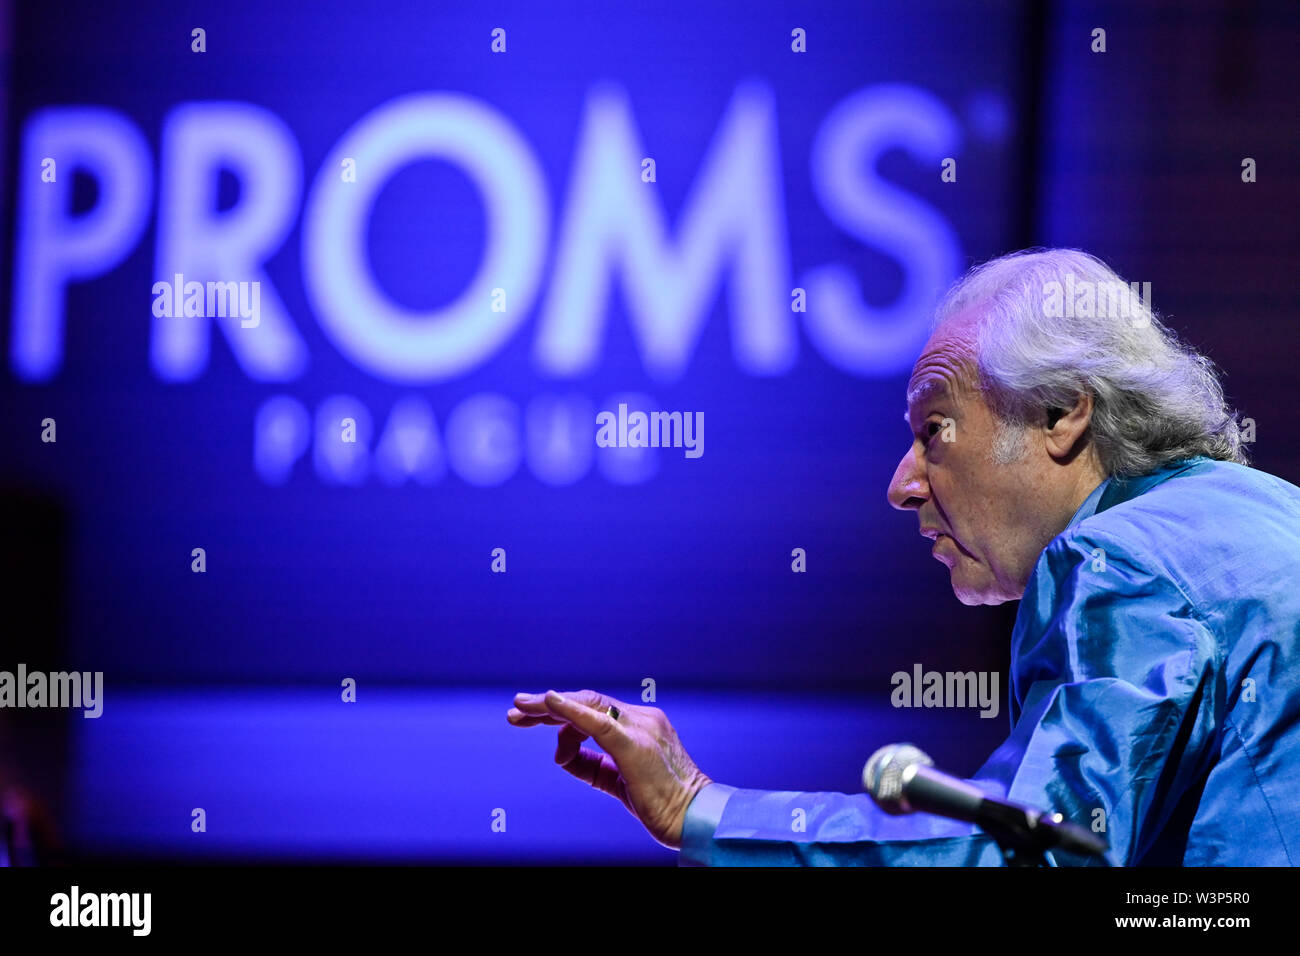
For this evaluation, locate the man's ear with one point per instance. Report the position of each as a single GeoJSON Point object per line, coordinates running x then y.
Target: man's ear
{"type": "Point", "coordinates": [1065, 428]}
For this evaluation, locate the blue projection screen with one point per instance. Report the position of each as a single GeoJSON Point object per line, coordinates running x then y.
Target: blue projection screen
{"type": "Point", "coordinates": [327, 312]}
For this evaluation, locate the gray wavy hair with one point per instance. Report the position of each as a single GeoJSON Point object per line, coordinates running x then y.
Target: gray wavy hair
{"type": "Point", "coordinates": [1155, 399]}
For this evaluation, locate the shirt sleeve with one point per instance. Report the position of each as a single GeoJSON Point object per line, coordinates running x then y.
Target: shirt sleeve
{"type": "Point", "coordinates": [702, 818]}
{"type": "Point", "coordinates": [1114, 717]}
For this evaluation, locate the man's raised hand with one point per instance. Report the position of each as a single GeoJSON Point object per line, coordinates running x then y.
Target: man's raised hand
{"type": "Point", "coordinates": [644, 764]}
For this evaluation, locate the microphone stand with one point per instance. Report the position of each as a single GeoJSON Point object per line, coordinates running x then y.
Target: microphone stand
{"type": "Point", "coordinates": [1024, 836]}
{"type": "Point", "coordinates": [901, 779]}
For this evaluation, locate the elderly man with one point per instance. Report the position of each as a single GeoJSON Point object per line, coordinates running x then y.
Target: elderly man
{"type": "Point", "coordinates": [1076, 457]}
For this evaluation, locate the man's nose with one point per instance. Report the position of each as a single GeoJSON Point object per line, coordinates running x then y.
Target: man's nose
{"type": "Point", "coordinates": [908, 489]}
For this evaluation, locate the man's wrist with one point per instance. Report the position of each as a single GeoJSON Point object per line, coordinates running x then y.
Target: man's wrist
{"type": "Point", "coordinates": [702, 818]}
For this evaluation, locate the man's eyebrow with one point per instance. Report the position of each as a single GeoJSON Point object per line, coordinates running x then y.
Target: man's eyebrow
{"type": "Point", "coordinates": [921, 394]}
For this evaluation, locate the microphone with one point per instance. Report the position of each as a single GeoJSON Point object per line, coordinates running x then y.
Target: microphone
{"type": "Point", "coordinates": [902, 779]}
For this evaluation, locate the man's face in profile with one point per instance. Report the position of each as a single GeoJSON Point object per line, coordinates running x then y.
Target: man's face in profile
{"type": "Point", "coordinates": [985, 517]}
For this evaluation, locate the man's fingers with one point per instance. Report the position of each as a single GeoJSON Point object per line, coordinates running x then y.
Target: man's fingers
{"type": "Point", "coordinates": [596, 769]}
{"type": "Point", "coordinates": [531, 703]}
{"type": "Point", "coordinates": [536, 704]}
{"type": "Point", "coordinates": [568, 744]}
{"type": "Point", "coordinates": [588, 698]}
{"type": "Point", "coordinates": [596, 724]}
{"type": "Point", "coordinates": [521, 719]}
{"type": "Point", "coordinates": [531, 710]}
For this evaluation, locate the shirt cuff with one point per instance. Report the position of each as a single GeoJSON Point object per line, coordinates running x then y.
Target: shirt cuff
{"type": "Point", "coordinates": [702, 819]}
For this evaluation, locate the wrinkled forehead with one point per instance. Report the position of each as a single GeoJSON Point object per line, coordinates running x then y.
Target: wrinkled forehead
{"type": "Point", "coordinates": [946, 368]}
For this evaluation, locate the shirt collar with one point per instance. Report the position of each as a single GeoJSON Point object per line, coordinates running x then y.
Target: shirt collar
{"type": "Point", "coordinates": [1112, 491]}
{"type": "Point", "coordinates": [1089, 506]}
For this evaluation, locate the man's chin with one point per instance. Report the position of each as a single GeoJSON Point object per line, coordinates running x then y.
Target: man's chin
{"type": "Point", "coordinates": [974, 596]}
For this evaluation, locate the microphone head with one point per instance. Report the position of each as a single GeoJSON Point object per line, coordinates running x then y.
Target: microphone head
{"type": "Point", "coordinates": [882, 777]}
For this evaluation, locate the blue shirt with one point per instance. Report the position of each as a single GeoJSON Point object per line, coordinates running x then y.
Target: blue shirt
{"type": "Point", "coordinates": [1154, 696]}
